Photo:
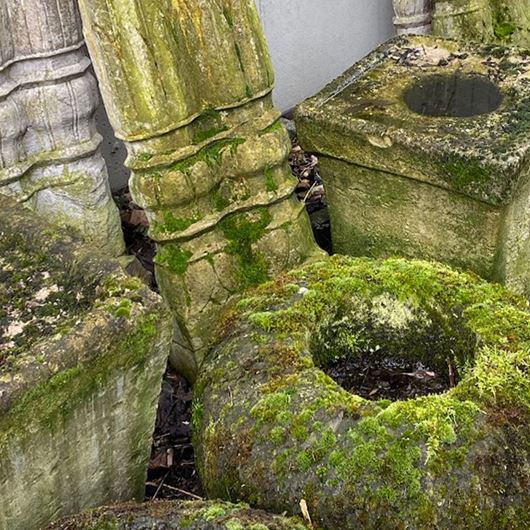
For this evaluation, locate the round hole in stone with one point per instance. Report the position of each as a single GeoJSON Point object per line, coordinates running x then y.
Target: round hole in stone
{"type": "Point", "coordinates": [385, 348]}
{"type": "Point", "coordinates": [457, 95]}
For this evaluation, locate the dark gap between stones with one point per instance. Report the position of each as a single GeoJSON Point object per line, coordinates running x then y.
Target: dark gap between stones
{"type": "Point", "coordinates": [381, 375]}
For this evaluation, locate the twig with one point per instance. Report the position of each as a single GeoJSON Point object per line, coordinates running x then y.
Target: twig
{"type": "Point", "coordinates": [309, 192]}
{"type": "Point", "coordinates": [184, 492]}
{"type": "Point", "coordinates": [159, 487]}
{"type": "Point", "coordinates": [452, 375]}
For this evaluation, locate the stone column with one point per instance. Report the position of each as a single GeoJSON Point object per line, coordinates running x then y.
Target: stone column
{"type": "Point", "coordinates": [187, 85]}
{"type": "Point", "coordinates": [413, 16]}
{"type": "Point", "coordinates": [49, 147]}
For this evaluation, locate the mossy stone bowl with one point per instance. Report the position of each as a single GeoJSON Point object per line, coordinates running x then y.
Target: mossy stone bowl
{"type": "Point", "coordinates": [271, 428]}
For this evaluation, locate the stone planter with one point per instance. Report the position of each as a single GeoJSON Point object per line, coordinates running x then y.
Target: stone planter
{"type": "Point", "coordinates": [272, 428]}
{"type": "Point", "coordinates": [424, 150]}
{"type": "Point", "coordinates": [82, 351]}
{"type": "Point", "coordinates": [178, 515]}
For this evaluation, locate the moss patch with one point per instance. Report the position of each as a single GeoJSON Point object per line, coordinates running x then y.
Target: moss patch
{"type": "Point", "coordinates": [38, 296]}
{"type": "Point", "coordinates": [287, 431]}
{"type": "Point", "coordinates": [242, 231]}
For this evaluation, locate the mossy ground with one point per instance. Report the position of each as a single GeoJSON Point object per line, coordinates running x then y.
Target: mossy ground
{"type": "Point", "coordinates": [286, 431]}
{"type": "Point", "coordinates": [178, 516]}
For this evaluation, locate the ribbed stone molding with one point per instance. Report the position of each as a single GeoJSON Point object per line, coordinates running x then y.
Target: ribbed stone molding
{"type": "Point", "coordinates": [49, 146]}
{"type": "Point", "coordinates": [413, 16]}
{"type": "Point", "coordinates": [187, 86]}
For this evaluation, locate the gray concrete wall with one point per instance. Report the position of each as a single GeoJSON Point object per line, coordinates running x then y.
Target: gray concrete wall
{"type": "Point", "coordinates": [313, 41]}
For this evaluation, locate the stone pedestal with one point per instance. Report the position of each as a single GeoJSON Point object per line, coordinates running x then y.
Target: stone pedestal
{"type": "Point", "coordinates": [82, 351]}
{"type": "Point", "coordinates": [50, 158]}
{"type": "Point", "coordinates": [424, 151]}
{"type": "Point", "coordinates": [187, 86]}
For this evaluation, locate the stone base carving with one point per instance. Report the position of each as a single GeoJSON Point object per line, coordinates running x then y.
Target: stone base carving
{"type": "Point", "coordinates": [50, 158]}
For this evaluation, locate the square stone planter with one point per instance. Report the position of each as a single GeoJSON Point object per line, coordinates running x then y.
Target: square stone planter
{"type": "Point", "coordinates": [424, 150]}
{"type": "Point", "coordinates": [83, 348]}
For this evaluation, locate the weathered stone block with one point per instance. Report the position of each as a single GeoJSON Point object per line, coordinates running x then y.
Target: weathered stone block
{"type": "Point", "coordinates": [272, 427]}
{"type": "Point", "coordinates": [500, 21]}
{"type": "Point", "coordinates": [82, 351]}
{"type": "Point", "coordinates": [424, 149]}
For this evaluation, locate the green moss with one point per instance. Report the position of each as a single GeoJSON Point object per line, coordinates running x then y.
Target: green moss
{"type": "Point", "coordinates": [213, 512]}
{"type": "Point", "coordinates": [242, 231]}
{"type": "Point", "coordinates": [145, 157]}
{"type": "Point", "coordinates": [270, 183]}
{"type": "Point", "coordinates": [123, 309]}
{"type": "Point", "coordinates": [375, 457]}
{"type": "Point", "coordinates": [173, 257]}
{"type": "Point", "coordinates": [274, 127]}
{"type": "Point", "coordinates": [219, 201]}
{"type": "Point", "coordinates": [211, 154]}
{"type": "Point", "coordinates": [173, 224]}
{"type": "Point", "coordinates": [208, 125]}
{"type": "Point", "coordinates": [39, 295]}
{"type": "Point", "coordinates": [52, 400]}
{"type": "Point", "coordinates": [234, 524]}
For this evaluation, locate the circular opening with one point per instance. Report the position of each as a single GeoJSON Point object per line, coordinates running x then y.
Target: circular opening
{"type": "Point", "coordinates": [388, 349]}
{"type": "Point", "coordinates": [454, 95]}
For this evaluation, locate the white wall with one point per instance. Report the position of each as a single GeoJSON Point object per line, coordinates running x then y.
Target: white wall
{"type": "Point", "coordinates": [314, 41]}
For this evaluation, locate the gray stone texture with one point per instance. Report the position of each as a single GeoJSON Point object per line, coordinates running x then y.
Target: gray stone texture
{"type": "Point", "coordinates": [445, 187]}
{"type": "Point", "coordinates": [50, 157]}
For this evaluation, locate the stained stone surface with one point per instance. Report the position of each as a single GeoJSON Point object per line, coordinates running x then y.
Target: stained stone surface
{"type": "Point", "coordinates": [187, 86]}
{"type": "Point", "coordinates": [50, 158]}
{"type": "Point", "coordinates": [83, 348]}
{"type": "Point", "coordinates": [179, 515]}
{"type": "Point", "coordinates": [424, 150]}
{"type": "Point", "coordinates": [495, 21]}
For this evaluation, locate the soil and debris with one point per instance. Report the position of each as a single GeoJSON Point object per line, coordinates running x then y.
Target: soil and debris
{"type": "Point", "coordinates": [135, 228]}
{"type": "Point", "coordinates": [172, 473]}
{"type": "Point", "coordinates": [375, 377]}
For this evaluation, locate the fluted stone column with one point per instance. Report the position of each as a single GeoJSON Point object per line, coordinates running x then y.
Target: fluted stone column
{"type": "Point", "coordinates": [187, 85]}
{"type": "Point", "coordinates": [49, 147]}
{"type": "Point", "coordinates": [413, 16]}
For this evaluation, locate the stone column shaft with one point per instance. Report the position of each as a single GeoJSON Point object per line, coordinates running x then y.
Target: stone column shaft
{"type": "Point", "coordinates": [187, 86]}
{"type": "Point", "coordinates": [49, 146]}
